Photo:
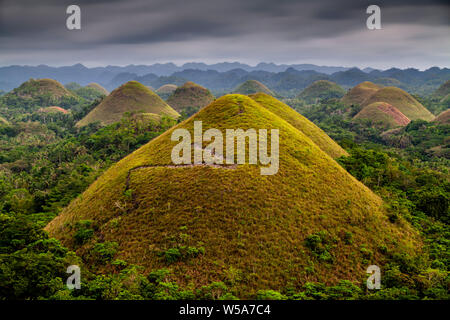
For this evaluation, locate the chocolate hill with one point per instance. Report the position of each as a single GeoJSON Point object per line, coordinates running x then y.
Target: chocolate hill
{"type": "Point", "coordinates": [130, 97]}
{"type": "Point", "coordinates": [311, 221]}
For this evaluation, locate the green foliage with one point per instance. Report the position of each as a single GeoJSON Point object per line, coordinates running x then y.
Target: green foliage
{"type": "Point", "coordinates": [83, 231]}
{"type": "Point", "coordinates": [172, 255]}
{"type": "Point", "coordinates": [318, 291]}
{"type": "Point", "coordinates": [32, 266]}
{"type": "Point", "coordinates": [16, 232]}
{"type": "Point", "coordinates": [321, 243]}
{"type": "Point", "coordinates": [104, 252]}
{"type": "Point", "coordinates": [269, 295]}
{"type": "Point", "coordinates": [214, 291]}
{"type": "Point", "coordinates": [182, 253]}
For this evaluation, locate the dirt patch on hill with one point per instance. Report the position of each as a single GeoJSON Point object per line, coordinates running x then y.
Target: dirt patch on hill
{"type": "Point", "coordinates": [399, 117]}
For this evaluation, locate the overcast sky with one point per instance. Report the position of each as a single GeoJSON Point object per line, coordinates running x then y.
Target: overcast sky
{"type": "Point", "coordinates": [330, 32]}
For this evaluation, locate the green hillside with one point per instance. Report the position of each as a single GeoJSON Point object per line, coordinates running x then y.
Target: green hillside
{"type": "Point", "coordinates": [358, 94]}
{"type": "Point", "coordinates": [383, 113]}
{"type": "Point", "coordinates": [251, 87]}
{"type": "Point", "coordinates": [312, 221]}
{"type": "Point", "coordinates": [190, 96]}
{"type": "Point", "coordinates": [35, 88]}
{"type": "Point", "coordinates": [403, 101]}
{"type": "Point", "coordinates": [37, 93]}
{"type": "Point", "coordinates": [321, 89]}
{"type": "Point", "coordinates": [129, 97]}
{"type": "Point", "coordinates": [443, 90]}
{"type": "Point", "coordinates": [291, 116]}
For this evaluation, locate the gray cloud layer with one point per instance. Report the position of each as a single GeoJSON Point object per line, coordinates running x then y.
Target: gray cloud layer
{"type": "Point", "coordinates": [415, 33]}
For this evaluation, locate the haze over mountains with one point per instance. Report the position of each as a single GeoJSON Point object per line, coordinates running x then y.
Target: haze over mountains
{"type": "Point", "coordinates": [225, 76]}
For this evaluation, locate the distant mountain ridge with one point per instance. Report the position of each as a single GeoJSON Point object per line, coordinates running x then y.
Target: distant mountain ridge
{"type": "Point", "coordinates": [224, 77]}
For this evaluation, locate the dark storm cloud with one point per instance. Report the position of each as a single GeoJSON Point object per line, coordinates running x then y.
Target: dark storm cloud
{"type": "Point", "coordinates": [282, 30]}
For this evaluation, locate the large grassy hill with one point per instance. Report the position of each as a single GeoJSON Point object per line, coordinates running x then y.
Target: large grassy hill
{"type": "Point", "coordinates": [321, 89]}
{"type": "Point", "coordinates": [311, 221]}
{"type": "Point", "coordinates": [403, 101]}
{"type": "Point", "coordinates": [383, 113]}
{"type": "Point", "coordinates": [190, 95]}
{"type": "Point", "coordinates": [358, 94]}
{"type": "Point", "coordinates": [130, 97]}
{"type": "Point", "coordinates": [251, 87]}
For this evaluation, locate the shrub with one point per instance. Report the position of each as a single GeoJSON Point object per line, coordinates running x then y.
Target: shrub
{"type": "Point", "coordinates": [269, 295]}
{"type": "Point", "coordinates": [320, 244]}
{"type": "Point", "coordinates": [83, 232]}
{"type": "Point", "coordinates": [172, 255]}
{"type": "Point", "coordinates": [182, 253]}
{"type": "Point", "coordinates": [216, 290]}
{"type": "Point", "coordinates": [348, 238]}
{"type": "Point", "coordinates": [104, 252]}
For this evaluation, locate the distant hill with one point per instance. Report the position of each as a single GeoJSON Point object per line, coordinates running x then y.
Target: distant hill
{"type": "Point", "coordinates": [383, 113]}
{"type": "Point", "coordinates": [190, 96]}
{"type": "Point", "coordinates": [443, 117]}
{"type": "Point", "coordinates": [403, 101]}
{"type": "Point", "coordinates": [166, 89]}
{"type": "Point", "coordinates": [251, 87]}
{"type": "Point", "coordinates": [35, 88]}
{"type": "Point", "coordinates": [350, 77]}
{"type": "Point", "coordinates": [90, 92]}
{"type": "Point", "coordinates": [321, 89]}
{"type": "Point", "coordinates": [36, 93]}
{"type": "Point", "coordinates": [443, 90]}
{"type": "Point", "coordinates": [98, 87]}
{"type": "Point", "coordinates": [230, 223]}
{"type": "Point", "coordinates": [129, 97]}
{"type": "Point", "coordinates": [358, 94]}
{"type": "Point", "coordinates": [224, 77]}
{"type": "Point", "coordinates": [388, 82]}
